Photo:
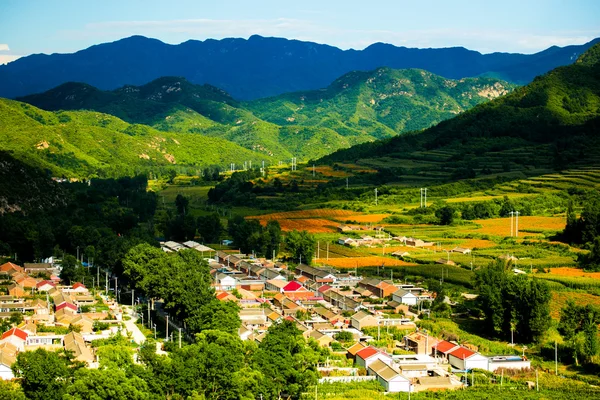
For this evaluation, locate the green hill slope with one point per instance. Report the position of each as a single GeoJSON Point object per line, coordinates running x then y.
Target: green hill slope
{"type": "Point", "coordinates": [358, 107]}
{"type": "Point", "coordinates": [88, 143]}
{"type": "Point", "coordinates": [552, 123]}
{"type": "Point", "coordinates": [380, 103]}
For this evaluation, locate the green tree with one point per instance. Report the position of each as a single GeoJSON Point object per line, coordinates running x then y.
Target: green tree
{"type": "Point", "coordinates": [44, 374]}
{"type": "Point", "coordinates": [286, 363]}
{"type": "Point", "coordinates": [11, 391]}
{"type": "Point", "coordinates": [445, 215]}
{"type": "Point", "coordinates": [71, 271]}
{"type": "Point", "coordinates": [210, 228]}
{"type": "Point", "coordinates": [181, 203]}
{"type": "Point", "coordinates": [272, 238]}
{"type": "Point", "coordinates": [301, 246]}
{"type": "Point", "coordinates": [106, 384]}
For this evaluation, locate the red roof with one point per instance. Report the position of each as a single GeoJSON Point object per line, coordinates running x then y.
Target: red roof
{"type": "Point", "coordinates": [462, 353]}
{"type": "Point", "coordinates": [367, 352]}
{"type": "Point", "coordinates": [68, 305]}
{"type": "Point", "coordinates": [292, 286]}
{"type": "Point", "coordinates": [222, 295]}
{"type": "Point", "coordinates": [324, 288]}
{"type": "Point", "coordinates": [7, 266]}
{"type": "Point", "coordinates": [78, 285]}
{"type": "Point", "coordinates": [15, 332]}
{"type": "Point", "coordinates": [445, 346]}
{"type": "Point", "coordinates": [42, 283]}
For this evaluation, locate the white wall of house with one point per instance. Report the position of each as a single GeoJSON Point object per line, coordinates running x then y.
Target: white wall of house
{"type": "Point", "coordinates": [475, 361]}
{"type": "Point", "coordinates": [396, 384]}
{"type": "Point", "coordinates": [409, 299]}
{"type": "Point", "coordinates": [6, 373]}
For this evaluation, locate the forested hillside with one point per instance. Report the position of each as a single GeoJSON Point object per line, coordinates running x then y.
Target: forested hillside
{"type": "Point", "coordinates": [551, 123]}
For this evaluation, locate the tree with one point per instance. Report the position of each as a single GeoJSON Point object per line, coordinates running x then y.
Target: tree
{"type": "Point", "coordinates": [344, 336]}
{"type": "Point", "coordinates": [210, 228]}
{"type": "Point", "coordinates": [11, 391]}
{"type": "Point", "coordinates": [272, 238]}
{"type": "Point", "coordinates": [507, 207]}
{"type": "Point", "coordinates": [71, 271]}
{"type": "Point", "coordinates": [513, 303]}
{"type": "Point", "coordinates": [301, 245]}
{"type": "Point", "coordinates": [445, 215]}
{"type": "Point", "coordinates": [181, 203]}
{"type": "Point", "coordinates": [106, 384]}
{"type": "Point", "coordinates": [286, 363]}
{"type": "Point", "coordinates": [591, 261]}
{"type": "Point", "coordinates": [44, 374]}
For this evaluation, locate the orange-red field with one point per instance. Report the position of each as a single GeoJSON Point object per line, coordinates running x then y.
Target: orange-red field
{"type": "Point", "coordinates": [358, 262]}
{"type": "Point", "coordinates": [559, 300]}
{"type": "Point", "coordinates": [568, 271]}
{"type": "Point", "coordinates": [367, 218]}
{"type": "Point", "coordinates": [501, 226]}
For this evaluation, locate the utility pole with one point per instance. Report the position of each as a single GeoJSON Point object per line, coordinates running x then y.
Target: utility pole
{"type": "Point", "coordinates": [327, 251]}
{"type": "Point", "coordinates": [179, 337]}
{"type": "Point", "coordinates": [517, 224]}
{"type": "Point", "coordinates": [149, 319]}
{"type": "Point", "coordinates": [132, 299]}
{"type": "Point", "coordinates": [318, 250]}
{"type": "Point", "coordinates": [346, 182]}
{"type": "Point", "coordinates": [375, 196]}
{"type": "Point", "coordinates": [116, 297]}
{"type": "Point", "coordinates": [555, 357]}
{"type": "Point", "coordinates": [511, 222]}
{"type": "Point", "coordinates": [106, 283]}
{"type": "Point", "coordinates": [97, 273]}
{"type": "Point", "coordinates": [167, 335]}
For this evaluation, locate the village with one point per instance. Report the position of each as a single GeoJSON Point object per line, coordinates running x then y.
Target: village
{"type": "Point", "coordinates": [343, 312]}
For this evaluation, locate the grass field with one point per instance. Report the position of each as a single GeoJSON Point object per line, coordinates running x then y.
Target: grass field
{"type": "Point", "coordinates": [560, 298]}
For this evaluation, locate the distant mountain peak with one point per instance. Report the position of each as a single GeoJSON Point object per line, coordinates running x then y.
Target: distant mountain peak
{"type": "Point", "coordinates": [591, 56]}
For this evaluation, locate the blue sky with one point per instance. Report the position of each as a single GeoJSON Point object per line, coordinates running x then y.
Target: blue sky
{"type": "Point", "coordinates": [525, 26]}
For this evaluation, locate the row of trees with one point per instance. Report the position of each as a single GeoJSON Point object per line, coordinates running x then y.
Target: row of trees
{"type": "Point", "coordinates": [217, 366]}
{"type": "Point", "coordinates": [183, 281]}
{"type": "Point", "coordinates": [579, 328]}
{"type": "Point", "coordinates": [513, 303]}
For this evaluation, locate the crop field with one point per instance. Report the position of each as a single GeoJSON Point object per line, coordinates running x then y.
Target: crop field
{"type": "Point", "coordinates": [361, 262]}
{"type": "Point", "coordinates": [336, 251]}
{"type": "Point", "coordinates": [477, 244]}
{"type": "Point", "coordinates": [365, 218]}
{"type": "Point", "coordinates": [326, 170]}
{"type": "Point", "coordinates": [560, 298]}
{"type": "Point", "coordinates": [303, 214]}
{"type": "Point", "coordinates": [573, 272]}
{"type": "Point", "coordinates": [311, 225]}
{"type": "Point", "coordinates": [501, 226]}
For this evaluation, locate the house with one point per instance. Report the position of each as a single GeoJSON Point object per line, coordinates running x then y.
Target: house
{"type": "Point", "coordinates": [45, 286]}
{"type": "Point", "coordinates": [401, 254]}
{"type": "Point", "coordinates": [15, 336]}
{"type": "Point", "coordinates": [244, 333]}
{"type": "Point", "coordinates": [253, 316]}
{"type": "Point", "coordinates": [38, 306]}
{"type": "Point", "coordinates": [403, 296]}
{"type": "Point", "coordinates": [355, 348]}
{"type": "Point", "coordinates": [344, 228]}
{"type": "Point", "coordinates": [321, 338]}
{"type": "Point", "coordinates": [78, 288]}
{"type": "Point", "coordinates": [419, 343]}
{"type": "Point", "coordinates": [275, 285]}
{"type": "Point", "coordinates": [378, 287]}
{"type": "Point", "coordinates": [329, 315]}
{"type": "Point", "coordinates": [346, 241]}
{"type": "Point", "coordinates": [8, 356]}
{"type": "Point", "coordinates": [74, 343]}
{"type": "Point", "coordinates": [25, 280]}
{"type": "Point", "coordinates": [417, 243]}
{"type": "Point", "coordinates": [225, 296]}
{"type": "Point", "coordinates": [295, 291]}
{"type": "Point", "coordinates": [11, 268]}
{"type": "Point", "coordinates": [465, 359]}
{"type": "Point", "coordinates": [38, 268]}
{"type": "Point", "coordinates": [320, 275]}
{"type": "Point", "coordinates": [369, 355]}
{"type": "Point", "coordinates": [225, 282]}
{"type": "Point", "coordinates": [461, 250]}
{"type": "Point", "coordinates": [85, 323]}
{"type": "Point", "coordinates": [338, 299]}
{"type": "Point", "coordinates": [391, 380]}
{"type": "Point", "coordinates": [508, 362]}
{"type": "Point", "coordinates": [271, 273]}
{"type": "Point", "coordinates": [414, 370]}
{"type": "Point", "coordinates": [65, 305]}
{"type": "Point", "coordinates": [445, 261]}
{"type": "Point", "coordinates": [443, 349]}
{"type": "Point", "coordinates": [363, 319]}
{"type": "Point", "coordinates": [16, 290]}
{"type": "Point", "coordinates": [398, 307]}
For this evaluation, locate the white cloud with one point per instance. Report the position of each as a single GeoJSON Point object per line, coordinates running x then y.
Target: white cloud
{"type": "Point", "coordinates": [6, 58]}
{"type": "Point", "coordinates": [4, 47]}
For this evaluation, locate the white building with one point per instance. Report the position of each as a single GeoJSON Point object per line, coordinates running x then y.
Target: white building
{"type": "Point", "coordinates": [403, 296]}
{"type": "Point", "coordinates": [388, 377]}
{"type": "Point", "coordinates": [465, 359]}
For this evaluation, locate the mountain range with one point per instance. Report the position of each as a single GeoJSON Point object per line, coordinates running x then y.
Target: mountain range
{"type": "Point", "coordinates": [259, 66]}
{"type": "Point", "coordinates": [551, 124]}
{"type": "Point", "coordinates": [356, 108]}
